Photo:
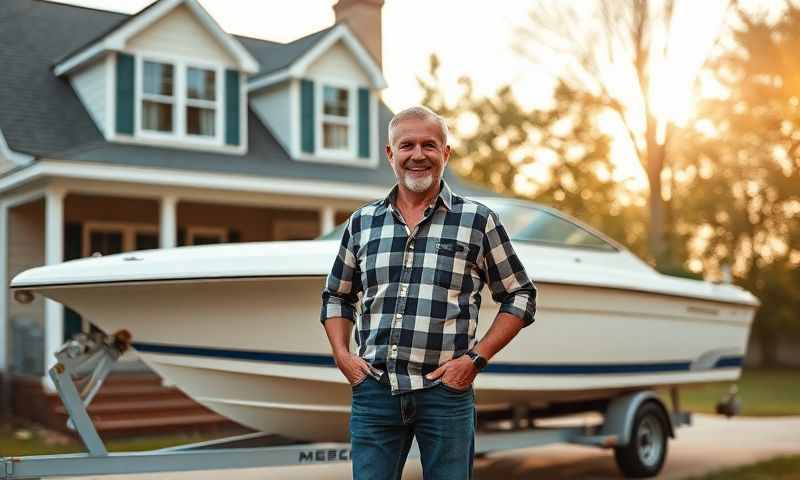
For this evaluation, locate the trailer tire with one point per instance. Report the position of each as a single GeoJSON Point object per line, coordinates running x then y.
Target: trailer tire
{"type": "Point", "coordinates": [646, 451]}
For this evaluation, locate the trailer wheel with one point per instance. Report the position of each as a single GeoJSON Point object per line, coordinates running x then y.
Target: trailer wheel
{"type": "Point", "coordinates": [647, 449]}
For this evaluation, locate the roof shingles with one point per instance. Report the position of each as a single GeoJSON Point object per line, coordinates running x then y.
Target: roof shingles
{"type": "Point", "coordinates": [40, 114]}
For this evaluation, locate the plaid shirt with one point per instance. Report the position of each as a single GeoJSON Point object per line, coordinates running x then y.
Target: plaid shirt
{"type": "Point", "coordinates": [420, 290]}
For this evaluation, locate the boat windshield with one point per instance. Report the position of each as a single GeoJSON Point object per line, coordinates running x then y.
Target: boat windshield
{"type": "Point", "coordinates": [529, 223]}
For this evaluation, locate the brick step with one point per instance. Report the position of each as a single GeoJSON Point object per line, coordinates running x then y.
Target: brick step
{"type": "Point", "coordinates": [133, 379]}
{"type": "Point", "coordinates": [173, 394]}
{"type": "Point", "coordinates": [159, 422]}
{"type": "Point", "coordinates": [117, 389]}
{"type": "Point", "coordinates": [136, 405]}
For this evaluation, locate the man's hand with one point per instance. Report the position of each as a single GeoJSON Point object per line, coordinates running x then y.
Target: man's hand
{"type": "Point", "coordinates": [458, 373]}
{"type": "Point", "coordinates": [353, 367]}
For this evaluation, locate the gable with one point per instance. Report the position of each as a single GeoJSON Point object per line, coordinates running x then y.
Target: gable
{"type": "Point", "coordinates": [339, 62]}
{"type": "Point", "coordinates": [180, 33]}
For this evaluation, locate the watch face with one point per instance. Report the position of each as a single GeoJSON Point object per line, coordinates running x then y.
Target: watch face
{"type": "Point", "coordinates": [479, 362]}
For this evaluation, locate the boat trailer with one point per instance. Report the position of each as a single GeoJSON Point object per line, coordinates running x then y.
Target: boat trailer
{"type": "Point", "coordinates": [635, 425]}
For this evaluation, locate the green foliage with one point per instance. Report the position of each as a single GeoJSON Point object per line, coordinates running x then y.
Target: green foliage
{"type": "Point", "coordinates": [741, 163]}
{"type": "Point", "coordinates": [764, 392]}
{"type": "Point", "coordinates": [506, 141]}
{"type": "Point", "coordinates": [735, 170]}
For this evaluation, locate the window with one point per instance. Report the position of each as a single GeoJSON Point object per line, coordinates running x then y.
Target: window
{"type": "Point", "coordinates": [158, 97]}
{"type": "Point", "coordinates": [180, 100]}
{"type": "Point", "coordinates": [206, 235]}
{"type": "Point", "coordinates": [108, 238]}
{"type": "Point", "coordinates": [336, 119]}
{"type": "Point", "coordinates": [200, 102]}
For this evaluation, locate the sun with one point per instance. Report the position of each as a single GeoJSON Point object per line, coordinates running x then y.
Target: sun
{"type": "Point", "coordinates": [671, 94]}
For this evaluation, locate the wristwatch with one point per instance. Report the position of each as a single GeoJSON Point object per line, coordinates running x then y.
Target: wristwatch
{"type": "Point", "coordinates": [479, 362]}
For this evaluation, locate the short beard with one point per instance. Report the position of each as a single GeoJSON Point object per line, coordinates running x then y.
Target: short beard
{"type": "Point", "coordinates": [418, 185]}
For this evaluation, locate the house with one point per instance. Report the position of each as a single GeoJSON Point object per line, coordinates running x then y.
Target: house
{"type": "Point", "coordinates": [159, 129]}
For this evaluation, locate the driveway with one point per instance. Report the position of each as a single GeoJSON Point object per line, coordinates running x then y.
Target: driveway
{"type": "Point", "coordinates": [712, 443]}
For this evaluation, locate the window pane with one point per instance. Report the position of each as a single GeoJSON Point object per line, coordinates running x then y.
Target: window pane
{"type": "Point", "coordinates": [200, 121]}
{"type": "Point", "coordinates": [157, 116]}
{"type": "Point", "coordinates": [158, 78]}
{"type": "Point", "coordinates": [334, 136]}
{"type": "Point", "coordinates": [105, 243]}
{"type": "Point", "coordinates": [206, 239]}
{"type": "Point", "coordinates": [146, 241]}
{"type": "Point", "coordinates": [200, 84]}
{"type": "Point", "coordinates": [335, 101]}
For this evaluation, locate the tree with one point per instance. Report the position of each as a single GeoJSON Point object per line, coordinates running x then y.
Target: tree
{"type": "Point", "coordinates": [504, 141]}
{"type": "Point", "coordinates": [739, 194]}
{"type": "Point", "coordinates": [614, 50]}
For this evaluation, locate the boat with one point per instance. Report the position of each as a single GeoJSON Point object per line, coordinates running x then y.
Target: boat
{"type": "Point", "coordinates": [236, 326]}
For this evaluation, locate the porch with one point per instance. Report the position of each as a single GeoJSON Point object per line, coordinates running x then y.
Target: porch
{"type": "Point", "coordinates": [69, 220]}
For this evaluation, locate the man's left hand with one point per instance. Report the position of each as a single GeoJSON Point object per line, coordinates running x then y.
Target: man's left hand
{"type": "Point", "coordinates": [458, 373]}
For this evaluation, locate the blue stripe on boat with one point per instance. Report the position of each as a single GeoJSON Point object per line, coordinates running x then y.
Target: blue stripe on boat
{"type": "Point", "coordinates": [509, 368]}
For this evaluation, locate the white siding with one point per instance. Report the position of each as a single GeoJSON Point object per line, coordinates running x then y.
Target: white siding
{"type": "Point", "coordinates": [180, 33]}
{"type": "Point", "coordinates": [273, 108]}
{"type": "Point", "coordinates": [338, 62]}
{"type": "Point", "coordinates": [90, 84]}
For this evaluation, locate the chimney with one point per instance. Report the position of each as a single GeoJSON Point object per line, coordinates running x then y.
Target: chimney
{"type": "Point", "coordinates": [363, 17]}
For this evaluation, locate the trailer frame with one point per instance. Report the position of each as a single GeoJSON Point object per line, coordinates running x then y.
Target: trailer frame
{"type": "Point", "coordinates": [84, 363]}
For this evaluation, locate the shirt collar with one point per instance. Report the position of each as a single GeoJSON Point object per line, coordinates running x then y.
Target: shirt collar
{"type": "Point", "coordinates": [445, 195]}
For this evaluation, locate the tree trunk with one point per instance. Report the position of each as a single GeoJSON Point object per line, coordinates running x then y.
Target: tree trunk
{"type": "Point", "coordinates": [655, 163]}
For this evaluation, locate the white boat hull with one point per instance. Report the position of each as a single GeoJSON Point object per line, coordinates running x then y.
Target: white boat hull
{"type": "Point", "coordinates": [253, 350]}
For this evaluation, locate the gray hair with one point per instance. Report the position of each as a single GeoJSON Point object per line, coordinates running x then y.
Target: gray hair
{"type": "Point", "coordinates": [420, 112]}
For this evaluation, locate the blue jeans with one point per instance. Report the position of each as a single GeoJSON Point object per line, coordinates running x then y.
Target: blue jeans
{"type": "Point", "coordinates": [382, 427]}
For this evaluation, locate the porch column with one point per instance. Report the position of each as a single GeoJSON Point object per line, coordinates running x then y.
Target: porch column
{"type": "Point", "coordinates": [53, 253]}
{"type": "Point", "coordinates": [327, 219]}
{"type": "Point", "coordinates": [168, 228]}
{"type": "Point", "coordinates": [3, 288]}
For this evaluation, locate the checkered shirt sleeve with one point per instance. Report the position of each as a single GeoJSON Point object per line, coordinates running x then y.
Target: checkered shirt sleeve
{"type": "Point", "coordinates": [343, 285]}
{"type": "Point", "coordinates": [505, 275]}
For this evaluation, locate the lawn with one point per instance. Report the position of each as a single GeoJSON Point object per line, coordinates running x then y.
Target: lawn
{"type": "Point", "coordinates": [17, 439]}
{"type": "Point", "coordinates": [763, 392]}
{"type": "Point", "coordinates": [782, 468]}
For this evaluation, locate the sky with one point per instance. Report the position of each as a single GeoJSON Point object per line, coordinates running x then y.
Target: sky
{"type": "Point", "coordinates": [471, 37]}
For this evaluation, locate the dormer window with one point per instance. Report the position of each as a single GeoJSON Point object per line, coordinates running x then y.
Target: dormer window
{"type": "Point", "coordinates": [201, 107]}
{"type": "Point", "coordinates": [180, 100]}
{"type": "Point", "coordinates": [336, 119]}
{"type": "Point", "coordinates": [158, 97]}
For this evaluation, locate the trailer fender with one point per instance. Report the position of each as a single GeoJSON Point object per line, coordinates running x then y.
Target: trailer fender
{"type": "Point", "coordinates": [622, 410]}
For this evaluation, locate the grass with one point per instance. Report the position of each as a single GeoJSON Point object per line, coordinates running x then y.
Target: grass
{"type": "Point", "coordinates": [17, 439]}
{"type": "Point", "coordinates": [781, 468]}
{"type": "Point", "coordinates": [763, 392]}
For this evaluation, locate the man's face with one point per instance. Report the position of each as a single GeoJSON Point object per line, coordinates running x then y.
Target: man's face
{"type": "Point", "coordinates": [418, 154]}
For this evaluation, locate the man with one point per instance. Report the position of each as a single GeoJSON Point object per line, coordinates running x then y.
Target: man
{"type": "Point", "coordinates": [418, 260]}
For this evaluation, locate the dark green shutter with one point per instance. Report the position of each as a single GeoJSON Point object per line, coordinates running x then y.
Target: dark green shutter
{"type": "Point", "coordinates": [232, 101]}
{"type": "Point", "coordinates": [363, 123]}
{"type": "Point", "coordinates": [73, 236]}
{"type": "Point", "coordinates": [307, 116]}
{"type": "Point", "coordinates": [125, 93]}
